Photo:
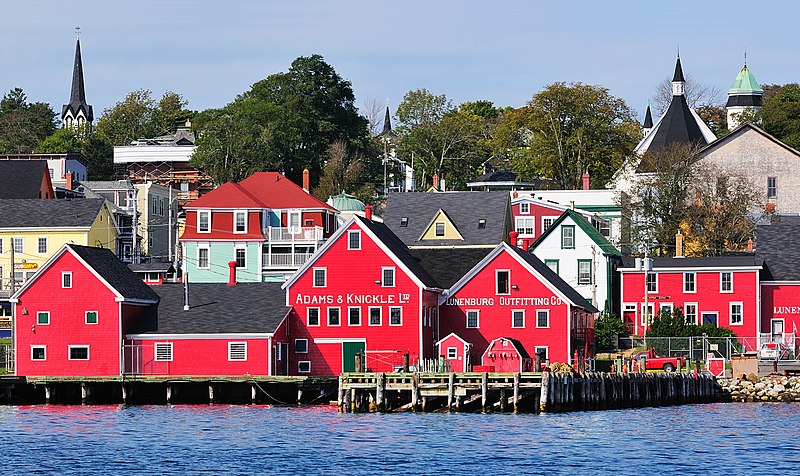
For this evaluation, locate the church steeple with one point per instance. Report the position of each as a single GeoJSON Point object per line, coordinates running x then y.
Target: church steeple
{"type": "Point", "coordinates": [387, 125]}
{"type": "Point", "coordinates": [678, 81]}
{"type": "Point", "coordinates": [744, 94]}
{"type": "Point", "coordinates": [77, 113]}
{"type": "Point", "coordinates": [648, 121]}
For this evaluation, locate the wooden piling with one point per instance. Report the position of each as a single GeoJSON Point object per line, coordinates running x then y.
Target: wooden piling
{"type": "Point", "coordinates": [253, 395]}
{"type": "Point", "coordinates": [380, 388]}
{"type": "Point", "coordinates": [484, 390]}
{"type": "Point", "coordinates": [124, 392]}
{"type": "Point", "coordinates": [340, 395]}
{"type": "Point", "coordinates": [169, 393]}
{"type": "Point", "coordinates": [451, 384]}
{"type": "Point", "coordinates": [516, 392]}
{"type": "Point", "coordinates": [84, 393]}
{"type": "Point", "coordinates": [211, 394]}
{"type": "Point", "coordinates": [544, 392]}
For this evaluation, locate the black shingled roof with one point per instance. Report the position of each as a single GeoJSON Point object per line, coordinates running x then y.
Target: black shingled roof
{"type": "Point", "coordinates": [729, 261]}
{"type": "Point", "coordinates": [216, 308]}
{"type": "Point", "coordinates": [151, 267]}
{"type": "Point", "coordinates": [30, 213]}
{"type": "Point", "coordinates": [778, 244]}
{"type": "Point", "coordinates": [77, 96]}
{"type": "Point", "coordinates": [448, 265]}
{"type": "Point", "coordinates": [115, 272]}
{"type": "Point", "coordinates": [678, 76]}
{"type": "Point", "coordinates": [648, 119]}
{"type": "Point", "coordinates": [21, 178]}
{"type": "Point", "coordinates": [677, 125]}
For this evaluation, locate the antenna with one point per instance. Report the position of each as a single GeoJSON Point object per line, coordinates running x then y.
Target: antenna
{"type": "Point", "coordinates": [679, 51]}
{"type": "Point", "coordinates": [745, 56]}
{"type": "Point", "coordinates": [78, 32]}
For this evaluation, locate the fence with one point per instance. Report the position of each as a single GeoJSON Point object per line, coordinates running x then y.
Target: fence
{"type": "Point", "coordinates": [700, 347]}
{"type": "Point", "coordinates": [140, 360]}
{"type": "Point", "coordinates": [6, 359]}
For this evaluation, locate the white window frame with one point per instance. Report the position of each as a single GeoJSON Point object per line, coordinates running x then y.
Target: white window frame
{"type": "Point", "coordinates": [324, 277]}
{"type": "Point", "coordinates": [452, 353]}
{"type": "Point", "coordinates": [69, 352]}
{"type": "Point", "coordinates": [65, 274]}
{"type": "Point", "coordinates": [436, 229]}
{"type": "Point", "coordinates": [204, 212]}
{"type": "Point", "coordinates": [721, 289]}
{"type": "Point", "coordinates": [700, 314]}
{"type": "Point", "coordinates": [380, 317]}
{"type": "Point", "coordinates": [230, 351]}
{"type": "Point", "coordinates": [545, 219]}
{"type": "Point", "coordinates": [524, 208]}
{"type": "Point", "coordinates": [300, 351]}
{"type": "Point", "coordinates": [208, 258]}
{"type": "Point", "coordinates": [513, 312]}
{"type": "Point", "coordinates": [590, 274]}
{"type": "Point", "coordinates": [694, 282]}
{"type": "Point", "coordinates": [497, 282]}
{"type": "Point", "coordinates": [730, 313]}
{"type": "Point", "coordinates": [686, 315]}
{"type": "Point", "coordinates": [37, 318]}
{"type": "Point", "coordinates": [21, 241]}
{"type": "Point", "coordinates": [328, 314]}
{"type": "Point", "coordinates": [546, 352]}
{"type": "Point", "coordinates": [351, 309]}
{"type": "Point", "coordinates": [308, 316]}
{"type": "Point", "coordinates": [236, 251]}
{"type": "Point", "coordinates": [666, 305]}
{"type": "Point", "coordinates": [38, 346]}
{"type": "Point", "coordinates": [162, 345]}
{"type": "Point", "coordinates": [236, 215]}
{"type": "Point", "coordinates": [401, 316]}
{"type": "Point", "coordinates": [39, 241]}
{"type": "Point", "coordinates": [651, 310]}
{"type": "Point", "coordinates": [384, 269]}
{"type": "Point", "coordinates": [655, 281]}
{"type": "Point", "coordinates": [563, 236]}
{"type": "Point", "coordinates": [477, 318]}
{"type": "Point", "coordinates": [304, 367]}
{"type": "Point", "coordinates": [521, 225]}
{"type": "Point", "coordinates": [350, 235]}
{"type": "Point", "coordinates": [547, 313]}
{"type": "Point", "coordinates": [86, 318]}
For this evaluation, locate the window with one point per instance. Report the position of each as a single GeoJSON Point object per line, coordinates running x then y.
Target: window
{"type": "Point", "coordinates": [772, 187]}
{"type": "Point", "coordinates": [567, 236]}
{"type": "Point", "coordinates": [710, 318]}
{"type": "Point", "coordinates": [240, 222]}
{"type": "Point", "coordinates": [237, 351]}
{"type": "Point", "coordinates": [301, 346]}
{"type": "Point", "coordinates": [17, 243]}
{"type": "Point", "coordinates": [736, 314]}
{"type": "Point", "coordinates": [652, 282]}
{"type": "Point", "coordinates": [666, 307]}
{"type": "Point", "coordinates": [202, 258]}
{"type": "Point", "coordinates": [241, 257]}
{"type": "Point", "coordinates": [387, 277]}
{"type": "Point", "coordinates": [395, 316]}
{"type": "Point", "coordinates": [43, 318]}
{"type": "Point", "coordinates": [689, 283]}
{"type": "Point", "coordinates": [502, 281]}
{"type": "Point", "coordinates": [524, 208]}
{"type": "Point", "coordinates": [162, 351]}
{"type": "Point", "coordinates": [153, 205]}
{"type": "Point", "coordinates": [38, 352]}
{"type": "Point", "coordinates": [374, 316]}
{"type": "Point", "coordinates": [584, 271]}
{"type": "Point", "coordinates": [312, 316]}
{"type": "Point", "coordinates": [543, 318]}
{"type": "Point", "coordinates": [604, 227]}
{"type": "Point", "coordinates": [294, 221]}
{"type": "Point", "coordinates": [403, 222]}
{"type": "Point", "coordinates": [473, 319]}
{"type": "Point", "coordinates": [304, 366]}
{"type": "Point", "coordinates": [525, 226]}
{"type": "Point", "coordinates": [1, 245]}
{"type": "Point", "coordinates": [354, 316]}
{"type": "Point", "coordinates": [79, 352]}
{"type": "Point", "coordinates": [320, 277]}
{"type": "Point", "coordinates": [204, 221]}
{"type": "Point", "coordinates": [334, 316]}
{"type": "Point", "coordinates": [41, 246]}
{"type": "Point", "coordinates": [552, 264]}
{"type": "Point", "coordinates": [354, 240]}
{"type": "Point", "coordinates": [648, 314]}
{"type": "Point", "coordinates": [482, 223]}
{"type": "Point", "coordinates": [161, 207]}
{"type": "Point", "coordinates": [518, 319]}
{"type": "Point", "coordinates": [91, 317]}
{"type": "Point", "coordinates": [452, 353]}
{"type": "Point", "coordinates": [690, 312]}
{"type": "Point", "coordinates": [726, 282]}
{"type": "Point", "coordinates": [66, 279]}
{"type": "Point", "coordinates": [547, 222]}
{"type": "Point", "coordinates": [439, 229]}
{"type": "Point", "coordinates": [152, 277]}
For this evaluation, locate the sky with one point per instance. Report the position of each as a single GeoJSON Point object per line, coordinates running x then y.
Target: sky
{"type": "Point", "coordinates": [503, 51]}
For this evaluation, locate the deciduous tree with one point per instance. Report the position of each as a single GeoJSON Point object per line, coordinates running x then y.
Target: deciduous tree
{"type": "Point", "coordinates": [24, 125]}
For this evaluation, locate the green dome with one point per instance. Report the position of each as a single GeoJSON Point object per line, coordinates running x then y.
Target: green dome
{"type": "Point", "coordinates": [745, 83]}
{"type": "Point", "coordinates": [346, 203]}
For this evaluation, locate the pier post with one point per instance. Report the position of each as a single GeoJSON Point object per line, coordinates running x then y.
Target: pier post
{"type": "Point", "coordinates": [380, 388]}
{"type": "Point", "coordinates": [503, 400]}
{"type": "Point", "coordinates": [345, 401]}
{"type": "Point", "coordinates": [415, 391]}
{"type": "Point", "coordinates": [47, 394]}
{"type": "Point", "coordinates": [544, 391]}
{"type": "Point", "coordinates": [124, 393]}
{"type": "Point", "coordinates": [84, 393]}
{"type": "Point", "coordinates": [516, 392]}
{"type": "Point", "coordinates": [299, 394]}
{"type": "Point", "coordinates": [451, 383]}
{"type": "Point", "coordinates": [253, 394]}
{"type": "Point", "coordinates": [169, 393]}
{"type": "Point", "coordinates": [484, 390]}
{"type": "Point", "coordinates": [211, 394]}
{"type": "Point", "coordinates": [353, 400]}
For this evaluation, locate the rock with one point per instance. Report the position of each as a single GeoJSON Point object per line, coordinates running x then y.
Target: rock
{"type": "Point", "coordinates": [779, 388]}
{"type": "Point", "coordinates": [760, 385]}
{"type": "Point", "coordinates": [752, 377]}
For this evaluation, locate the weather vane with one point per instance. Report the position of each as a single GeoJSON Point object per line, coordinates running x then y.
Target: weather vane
{"type": "Point", "coordinates": [78, 32]}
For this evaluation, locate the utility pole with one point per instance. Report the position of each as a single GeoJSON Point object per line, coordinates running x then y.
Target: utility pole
{"type": "Point", "coordinates": [169, 221]}
{"type": "Point", "coordinates": [13, 281]}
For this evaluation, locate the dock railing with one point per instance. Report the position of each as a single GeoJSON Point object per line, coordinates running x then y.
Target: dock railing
{"type": "Point", "coordinates": [6, 359]}
{"type": "Point", "coordinates": [700, 347]}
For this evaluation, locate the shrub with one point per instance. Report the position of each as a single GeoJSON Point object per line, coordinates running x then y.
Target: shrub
{"type": "Point", "coordinates": [608, 328]}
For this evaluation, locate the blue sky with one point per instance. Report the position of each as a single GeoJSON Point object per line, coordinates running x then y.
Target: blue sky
{"type": "Point", "coordinates": [210, 51]}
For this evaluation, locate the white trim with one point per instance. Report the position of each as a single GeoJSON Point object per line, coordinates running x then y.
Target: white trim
{"type": "Point", "coordinates": [324, 277]}
{"type": "Point", "coordinates": [302, 362]}
{"type": "Point", "coordinates": [295, 346]}
{"type": "Point", "coordinates": [694, 282]}
{"type": "Point", "coordinates": [37, 318]}
{"type": "Point", "coordinates": [455, 351]}
{"type": "Point", "coordinates": [199, 247]}
{"type": "Point", "coordinates": [466, 317]}
{"type": "Point", "coordinates": [46, 245]}
{"type": "Point", "coordinates": [162, 344]}
{"type": "Point", "coordinates": [210, 227]}
{"type": "Point", "coordinates": [547, 311]}
{"type": "Point", "coordinates": [730, 313]}
{"type": "Point", "coordinates": [39, 346]}
{"type": "Point", "coordinates": [669, 305]}
{"type": "Point", "coordinates": [231, 350]}
{"type": "Point", "coordinates": [328, 314]}
{"type": "Point", "coordinates": [700, 315]}
{"type": "Point", "coordinates": [380, 315]}
{"type": "Point", "coordinates": [86, 318]}
{"type": "Point", "coordinates": [338, 340]}
{"type": "Point", "coordinates": [699, 269]}
{"type": "Point", "coordinates": [696, 319]}
{"type": "Point", "coordinates": [319, 317]}
{"type": "Point", "coordinates": [523, 318]}
{"type": "Point", "coordinates": [655, 279]}
{"type": "Point", "coordinates": [63, 274]}
{"type": "Point", "coordinates": [26, 229]}
{"type": "Point", "coordinates": [390, 316]}
{"type": "Point", "coordinates": [730, 291]}
{"type": "Point", "coordinates": [69, 352]}
{"type": "Point", "coordinates": [350, 308]}
{"type": "Point", "coordinates": [149, 337]}
{"type": "Point", "coordinates": [448, 336]}
{"type": "Point", "coordinates": [236, 214]}
{"type": "Point", "coordinates": [383, 276]}
{"type": "Point", "coordinates": [497, 282]}
{"type": "Point", "coordinates": [351, 233]}
{"type": "Point", "coordinates": [236, 248]}
{"type": "Point", "coordinates": [527, 205]}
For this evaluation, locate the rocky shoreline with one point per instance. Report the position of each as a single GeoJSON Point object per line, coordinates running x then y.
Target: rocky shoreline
{"type": "Point", "coordinates": [772, 388]}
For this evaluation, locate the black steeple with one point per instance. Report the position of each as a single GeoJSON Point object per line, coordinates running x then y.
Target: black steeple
{"type": "Point", "coordinates": [678, 76]}
{"type": "Point", "coordinates": [77, 97]}
{"type": "Point", "coordinates": [648, 119]}
{"type": "Point", "coordinates": [387, 125]}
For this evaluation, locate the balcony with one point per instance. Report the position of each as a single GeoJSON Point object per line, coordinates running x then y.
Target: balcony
{"type": "Point", "coordinates": [284, 260]}
{"type": "Point", "coordinates": [310, 234]}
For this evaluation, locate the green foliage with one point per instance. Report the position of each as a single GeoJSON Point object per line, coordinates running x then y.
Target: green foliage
{"type": "Point", "coordinates": [780, 112]}
{"type": "Point", "coordinates": [97, 149]}
{"type": "Point", "coordinates": [23, 125]}
{"type": "Point", "coordinates": [673, 324]}
{"type": "Point", "coordinates": [285, 122]}
{"type": "Point", "coordinates": [139, 116]}
{"type": "Point", "coordinates": [343, 171]}
{"type": "Point", "coordinates": [608, 327]}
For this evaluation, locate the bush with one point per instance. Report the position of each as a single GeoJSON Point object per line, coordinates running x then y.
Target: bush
{"type": "Point", "coordinates": [608, 328]}
{"type": "Point", "coordinates": [673, 324]}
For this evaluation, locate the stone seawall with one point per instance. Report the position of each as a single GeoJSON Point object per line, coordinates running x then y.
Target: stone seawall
{"type": "Point", "coordinates": [773, 388]}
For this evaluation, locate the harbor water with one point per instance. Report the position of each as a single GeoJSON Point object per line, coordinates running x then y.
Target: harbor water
{"type": "Point", "coordinates": [692, 439]}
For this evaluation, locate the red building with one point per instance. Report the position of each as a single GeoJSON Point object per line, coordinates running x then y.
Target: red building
{"type": "Point", "coordinates": [361, 297]}
{"type": "Point", "coordinates": [724, 291]}
{"type": "Point", "coordinates": [456, 351]}
{"type": "Point", "coordinates": [512, 294]}
{"type": "Point", "coordinates": [506, 355]}
{"type": "Point", "coordinates": [779, 247]}
{"type": "Point", "coordinates": [533, 216]}
{"type": "Point", "coordinates": [70, 318]}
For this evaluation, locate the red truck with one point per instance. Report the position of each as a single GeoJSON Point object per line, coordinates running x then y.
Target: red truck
{"type": "Point", "coordinates": [667, 364]}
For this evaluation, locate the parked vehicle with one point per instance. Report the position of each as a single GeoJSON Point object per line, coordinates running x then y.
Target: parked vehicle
{"type": "Point", "coordinates": [773, 351]}
{"type": "Point", "coordinates": [667, 364]}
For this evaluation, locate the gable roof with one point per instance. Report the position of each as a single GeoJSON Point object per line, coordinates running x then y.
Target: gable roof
{"type": "Point", "coordinates": [713, 262]}
{"type": "Point", "coordinates": [23, 178]}
{"type": "Point", "coordinates": [35, 213]}
{"type": "Point", "coordinates": [592, 232]}
{"type": "Point", "coordinates": [739, 131]}
{"type": "Point", "coordinates": [778, 244]}
{"type": "Point", "coordinates": [453, 334]}
{"type": "Point", "coordinates": [523, 353]}
{"type": "Point", "coordinates": [448, 265]}
{"type": "Point", "coordinates": [464, 209]}
{"type": "Point", "coordinates": [260, 190]}
{"type": "Point", "coordinates": [216, 308]}
{"type": "Point", "coordinates": [432, 223]}
{"type": "Point", "coordinates": [154, 267]}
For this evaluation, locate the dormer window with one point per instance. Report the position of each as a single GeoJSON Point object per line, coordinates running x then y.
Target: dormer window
{"type": "Point", "coordinates": [240, 222]}
{"type": "Point", "coordinates": [440, 229]}
{"type": "Point", "coordinates": [404, 221]}
{"type": "Point", "coordinates": [481, 223]}
{"type": "Point", "coordinates": [204, 221]}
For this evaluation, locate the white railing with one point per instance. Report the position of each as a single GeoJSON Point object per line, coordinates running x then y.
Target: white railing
{"type": "Point", "coordinates": [786, 338]}
{"type": "Point", "coordinates": [284, 260]}
{"type": "Point", "coordinates": [6, 359]}
{"type": "Point", "coordinates": [291, 234]}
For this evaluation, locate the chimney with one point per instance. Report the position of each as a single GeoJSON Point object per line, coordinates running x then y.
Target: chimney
{"type": "Point", "coordinates": [585, 178]}
{"type": "Point", "coordinates": [750, 245]}
{"type": "Point", "coordinates": [436, 181]}
{"type": "Point", "coordinates": [444, 187]}
{"type": "Point", "coordinates": [69, 181]}
{"type": "Point", "coordinates": [572, 205]}
{"type": "Point", "coordinates": [513, 234]}
{"type": "Point", "coordinates": [232, 273]}
{"type": "Point", "coordinates": [515, 194]}
{"type": "Point", "coordinates": [679, 245]}
{"type": "Point", "coordinates": [368, 212]}
{"type": "Point", "coordinates": [306, 181]}
{"type": "Point", "coordinates": [185, 291]}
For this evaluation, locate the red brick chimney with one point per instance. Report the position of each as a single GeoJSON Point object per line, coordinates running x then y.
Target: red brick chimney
{"type": "Point", "coordinates": [585, 178]}
{"type": "Point", "coordinates": [436, 181]}
{"type": "Point", "coordinates": [513, 234]}
{"type": "Point", "coordinates": [750, 246]}
{"type": "Point", "coordinates": [306, 181]}
{"type": "Point", "coordinates": [69, 181]}
{"type": "Point", "coordinates": [232, 273]}
{"type": "Point", "coordinates": [368, 212]}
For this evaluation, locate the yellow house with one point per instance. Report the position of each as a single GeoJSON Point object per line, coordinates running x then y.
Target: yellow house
{"type": "Point", "coordinates": [33, 230]}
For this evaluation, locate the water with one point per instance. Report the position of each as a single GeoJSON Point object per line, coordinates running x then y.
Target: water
{"type": "Point", "coordinates": [697, 439]}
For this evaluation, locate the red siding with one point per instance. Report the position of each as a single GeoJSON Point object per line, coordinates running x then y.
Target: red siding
{"type": "Point", "coordinates": [68, 323]}
{"type": "Point", "coordinates": [780, 302]}
{"type": "Point", "coordinates": [537, 212]}
{"type": "Point", "coordinates": [201, 357]}
{"type": "Point", "coordinates": [501, 356]}
{"type": "Point", "coordinates": [460, 363]}
{"type": "Point", "coordinates": [222, 227]}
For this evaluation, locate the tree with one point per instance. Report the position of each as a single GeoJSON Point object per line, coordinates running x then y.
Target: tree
{"type": "Point", "coordinates": [608, 328]}
{"type": "Point", "coordinates": [24, 125]}
{"type": "Point", "coordinates": [139, 116]}
{"type": "Point", "coordinates": [716, 118]}
{"type": "Point", "coordinates": [568, 129]}
{"type": "Point", "coordinates": [780, 112]}
{"type": "Point", "coordinates": [285, 122]}
{"type": "Point", "coordinates": [697, 95]}
{"type": "Point", "coordinates": [343, 171]}
{"type": "Point", "coordinates": [99, 152]}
